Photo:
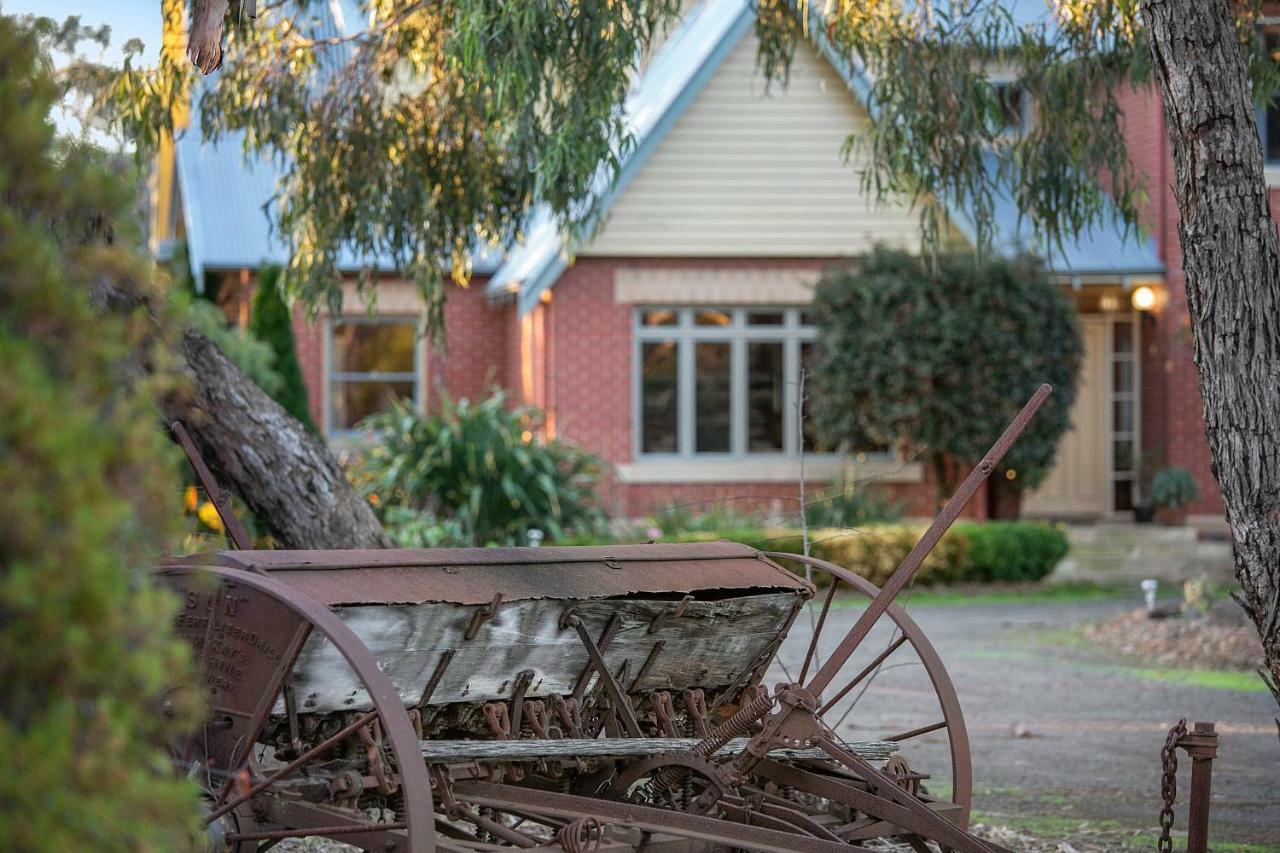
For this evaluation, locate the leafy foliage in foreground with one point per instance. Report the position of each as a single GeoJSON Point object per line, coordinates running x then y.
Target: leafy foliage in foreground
{"type": "Point", "coordinates": [435, 125]}
{"type": "Point", "coordinates": [88, 491]}
{"type": "Point", "coordinates": [937, 359]}
{"type": "Point", "coordinates": [480, 470]}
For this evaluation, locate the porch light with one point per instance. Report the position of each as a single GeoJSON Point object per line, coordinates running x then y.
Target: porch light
{"type": "Point", "coordinates": [1143, 298]}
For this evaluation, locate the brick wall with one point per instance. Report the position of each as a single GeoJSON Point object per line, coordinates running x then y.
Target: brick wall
{"type": "Point", "coordinates": [309, 339]}
{"type": "Point", "coordinates": [473, 358]}
{"type": "Point", "coordinates": [1172, 419]}
{"type": "Point", "coordinates": [589, 391]}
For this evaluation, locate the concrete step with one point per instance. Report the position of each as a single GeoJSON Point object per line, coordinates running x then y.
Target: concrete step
{"type": "Point", "coordinates": [1114, 552]}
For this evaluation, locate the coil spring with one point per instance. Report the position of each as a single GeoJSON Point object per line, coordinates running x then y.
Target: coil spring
{"type": "Point", "coordinates": [580, 836]}
{"type": "Point", "coordinates": [738, 725]}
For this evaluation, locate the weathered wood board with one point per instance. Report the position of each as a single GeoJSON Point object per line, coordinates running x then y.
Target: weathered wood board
{"type": "Point", "coordinates": [708, 646]}
{"type": "Point", "coordinates": [532, 749]}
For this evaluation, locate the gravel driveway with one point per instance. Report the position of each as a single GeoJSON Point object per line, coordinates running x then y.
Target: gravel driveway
{"type": "Point", "coordinates": [1060, 730]}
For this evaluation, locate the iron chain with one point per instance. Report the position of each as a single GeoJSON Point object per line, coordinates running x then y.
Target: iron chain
{"type": "Point", "coordinates": [1169, 784]}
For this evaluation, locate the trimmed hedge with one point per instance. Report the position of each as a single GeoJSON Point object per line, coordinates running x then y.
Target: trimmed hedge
{"type": "Point", "coordinates": [1012, 550]}
{"type": "Point", "coordinates": [969, 552]}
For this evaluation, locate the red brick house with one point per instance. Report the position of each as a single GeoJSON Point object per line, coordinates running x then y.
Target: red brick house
{"type": "Point", "coordinates": [670, 343]}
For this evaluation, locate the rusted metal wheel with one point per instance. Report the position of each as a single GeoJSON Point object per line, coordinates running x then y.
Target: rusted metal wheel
{"type": "Point", "coordinates": [267, 778]}
{"type": "Point", "coordinates": [906, 632]}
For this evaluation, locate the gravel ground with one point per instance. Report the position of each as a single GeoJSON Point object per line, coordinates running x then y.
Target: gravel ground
{"type": "Point", "coordinates": [1065, 734]}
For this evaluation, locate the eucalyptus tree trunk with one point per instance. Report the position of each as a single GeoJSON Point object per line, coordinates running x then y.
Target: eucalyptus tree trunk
{"type": "Point", "coordinates": [255, 448]}
{"type": "Point", "coordinates": [1231, 259]}
{"type": "Point", "coordinates": [284, 474]}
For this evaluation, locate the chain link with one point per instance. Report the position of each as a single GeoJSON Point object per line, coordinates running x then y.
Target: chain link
{"type": "Point", "coordinates": [1169, 784]}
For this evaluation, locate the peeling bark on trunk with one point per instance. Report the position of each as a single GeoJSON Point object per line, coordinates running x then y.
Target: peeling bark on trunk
{"type": "Point", "coordinates": [286, 476]}
{"type": "Point", "coordinates": [1231, 259]}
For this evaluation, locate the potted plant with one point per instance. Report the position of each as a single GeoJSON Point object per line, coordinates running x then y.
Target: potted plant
{"type": "Point", "coordinates": [1146, 463]}
{"type": "Point", "coordinates": [1171, 490]}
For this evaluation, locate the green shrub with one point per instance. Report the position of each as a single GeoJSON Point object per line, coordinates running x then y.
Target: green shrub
{"type": "Point", "coordinates": [271, 323]}
{"type": "Point", "coordinates": [415, 528]}
{"type": "Point", "coordinates": [1173, 487]}
{"type": "Point", "coordinates": [679, 519]}
{"type": "Point", "coordinates": [88, 492]}
{"type": "Point", "coordinates": [935, 358]}
{"type": "Point", "coordinates": [1006, 551]}
{"type": "Point", "coordinates": [1012, 550]}
{"type": "Point", "coordinates": [875, 551]}
{"type": "Point", "coordinates": [481, 467]}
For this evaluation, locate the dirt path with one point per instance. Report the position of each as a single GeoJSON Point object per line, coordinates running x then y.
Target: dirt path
{"type": "Point", "coordinates": [1062, 732]}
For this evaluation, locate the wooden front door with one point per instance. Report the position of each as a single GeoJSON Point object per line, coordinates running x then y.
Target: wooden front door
{"type": "Point", "coordinates": [1080, 482]}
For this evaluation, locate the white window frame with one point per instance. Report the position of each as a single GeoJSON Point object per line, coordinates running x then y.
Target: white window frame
{"type": "Point", "coordinates": [332, 376]}
{"type": "Point", "coordinates": [1133, 397]}
{"type": "Point", "coordinates": [738, 334]}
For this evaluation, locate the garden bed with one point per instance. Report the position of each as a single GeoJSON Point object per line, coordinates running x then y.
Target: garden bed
{"type": "Point", "coordinates": [1204, 641]}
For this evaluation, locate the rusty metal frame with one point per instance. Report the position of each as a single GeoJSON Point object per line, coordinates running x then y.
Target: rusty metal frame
{"type": "Point", "coordinates": [218, 496]}
{"type": "Point", "coordinates": [382, 693]}
{"type": "Point", "coordinates": [944, 689]}
{"type": "Point", "coordinates": [731, 809]}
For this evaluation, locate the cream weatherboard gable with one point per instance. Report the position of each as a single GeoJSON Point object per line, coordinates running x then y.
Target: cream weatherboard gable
{"type": "Point", "coordinates": [757, 171]}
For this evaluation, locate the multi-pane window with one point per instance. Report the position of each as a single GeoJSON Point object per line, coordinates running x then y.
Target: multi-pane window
{"type": "Point", "coordinates": [1124, 413]}
{"type": "Point", "coordinates": [722, 382]}
{"type": "Point", "coordinates": [372, 361]}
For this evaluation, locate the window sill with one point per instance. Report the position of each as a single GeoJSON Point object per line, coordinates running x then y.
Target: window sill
{"type": "Point", "coordinates": [747, 471]}
{"type": "Point", "coordinates": [1272, 173]}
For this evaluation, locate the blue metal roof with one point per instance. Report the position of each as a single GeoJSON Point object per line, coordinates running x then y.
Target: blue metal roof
{"type": "Point", "coordinates": [681, 69]}
{"type": "Point", "coordinates": [227, 194]}
{"type": "Point", "coordinates": [227, 208]}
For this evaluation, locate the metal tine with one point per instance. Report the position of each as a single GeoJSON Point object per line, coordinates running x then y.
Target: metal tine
{"type": "Point", "coordinates": [912, 562]}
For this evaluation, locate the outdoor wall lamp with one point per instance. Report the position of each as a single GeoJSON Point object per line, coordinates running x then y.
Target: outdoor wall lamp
{"type": "Point", "coordinates": [1143, 298]}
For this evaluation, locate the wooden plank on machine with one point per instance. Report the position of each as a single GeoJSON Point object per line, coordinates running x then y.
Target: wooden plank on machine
{"type": "Point", "coordinates": [534, 749]}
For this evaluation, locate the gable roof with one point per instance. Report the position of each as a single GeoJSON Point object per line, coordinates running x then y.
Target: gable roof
{"type": "Point", "coordinates": [681, 69]}
{"type": "Point", "coordinates": [226, 194]}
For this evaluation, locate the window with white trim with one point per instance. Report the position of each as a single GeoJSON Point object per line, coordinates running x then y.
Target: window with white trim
{"type": "Point", "coordinates": [371, 361]}
{"type": "Point", "coordinates": [721, 383]}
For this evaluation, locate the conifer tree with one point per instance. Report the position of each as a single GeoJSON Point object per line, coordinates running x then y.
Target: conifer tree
{"type": "Point", "coordinates": [271, 323]}
{"type": "Point", "coordinates": [88, 494]}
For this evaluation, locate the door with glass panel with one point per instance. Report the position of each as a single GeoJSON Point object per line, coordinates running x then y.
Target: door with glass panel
{"type": "Point", "coordinates": [1085, 481]}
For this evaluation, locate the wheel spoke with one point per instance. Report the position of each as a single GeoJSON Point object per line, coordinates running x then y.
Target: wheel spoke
{"type": "Point", "coordinates": [870, 668]}
{"type": "Point", "coordinates": [923, 730]}
{"type": "Point", "coordinates": [277, 775]}
{"type": "Point", "coordinates": [817, 630]}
